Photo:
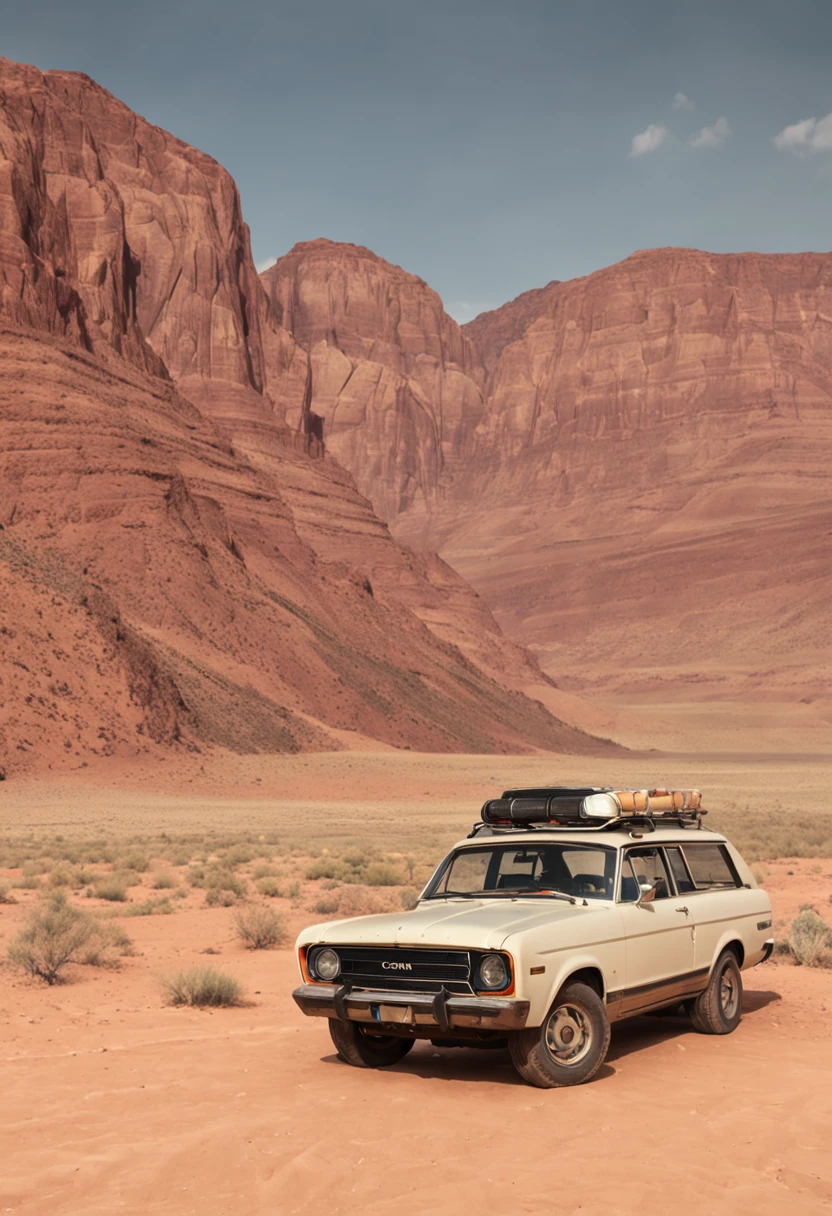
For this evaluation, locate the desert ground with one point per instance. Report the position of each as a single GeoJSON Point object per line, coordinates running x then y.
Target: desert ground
{"type": "Point", "coordinates": [115, 1101]}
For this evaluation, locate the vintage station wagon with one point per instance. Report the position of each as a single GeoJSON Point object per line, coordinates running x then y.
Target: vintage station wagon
{"type": "Point", "coordinates": [563, 911]}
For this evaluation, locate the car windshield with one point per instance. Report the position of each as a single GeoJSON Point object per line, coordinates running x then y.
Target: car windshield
{"type": "Point", "coordinates": [576, 870]}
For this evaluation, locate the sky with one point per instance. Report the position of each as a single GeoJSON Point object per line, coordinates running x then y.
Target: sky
{"type": "Point", "coordinates": [487, 146]}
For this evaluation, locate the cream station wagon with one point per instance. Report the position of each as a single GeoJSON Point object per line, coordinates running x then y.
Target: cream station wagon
{"type": "Point", "coordinates": [564, 910]}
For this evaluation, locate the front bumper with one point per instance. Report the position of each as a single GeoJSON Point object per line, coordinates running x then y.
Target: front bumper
{"type": "Point", "coordinates": [418, 1010]}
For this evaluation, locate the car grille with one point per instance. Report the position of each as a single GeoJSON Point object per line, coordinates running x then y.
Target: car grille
{"type": "Point", "coordinates": [418, 970]}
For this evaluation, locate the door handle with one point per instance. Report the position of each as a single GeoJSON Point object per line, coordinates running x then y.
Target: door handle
{"type": "Point", "coordinates": [685, 910]}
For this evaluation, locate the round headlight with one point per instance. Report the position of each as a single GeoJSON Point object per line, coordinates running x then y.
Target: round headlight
{"type": "Point", "coordinates": [326, 964]}
{"type": "Point", "coordinates": [493, 972]}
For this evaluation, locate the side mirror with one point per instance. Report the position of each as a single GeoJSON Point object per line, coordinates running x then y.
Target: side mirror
{"type": "Point", "coordinates": [647, 893]}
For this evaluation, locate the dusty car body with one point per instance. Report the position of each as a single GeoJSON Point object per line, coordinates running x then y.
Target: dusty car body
{"type": "Point", "coordinates": [541, 929]}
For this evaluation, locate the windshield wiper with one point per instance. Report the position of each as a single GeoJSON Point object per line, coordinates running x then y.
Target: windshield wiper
{"type": "Point", "coordinates": [508, 893]}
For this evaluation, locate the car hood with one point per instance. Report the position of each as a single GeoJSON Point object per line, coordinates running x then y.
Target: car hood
{"type": "Point", "coordinates": [483, 923]}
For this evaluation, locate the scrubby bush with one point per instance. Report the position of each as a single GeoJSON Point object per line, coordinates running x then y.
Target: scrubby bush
{"type": "Point", "coordinates": [328, 902]}
{"type": "Point", "coordinates": [134, 859]}
{"type": "Point", "coordinates": [28, 882]}
{"type": "Point", "coordinates": [239, 855]}
{"type": "Point", "coordinates": [357, 901]}
{"type": "Point", "coordinates": [263, 869]}
{"type": "Point", "coordinates": [61, 876]}
{"type": "Point", "coordinates": [57, 934]}
{"type": "Point", "coordinates": [260, 927]}
{"type": "Point", "coordinates": [382, 874]}
{"type": "Point", "coordinates": [224, 880]}
{"type": "Point", "coordinates": [293, 890]}
{"type": "Point", "coordinates": [218, 897]}
{"type": "Point", "coordinates": [163, 880]}
{"type": "Point", "coordinates": [325, 867]}
{"type": "Point", "coordinates": [111, 888]}
{"type": "Point", "coordinates": [107, 944]}
{"type": "Point", "coordinates": [202, 986]}
{"type": "Point", "coordinates": [810, 939]}
{"type": "Point", "coordinates": [150, 907]}
{"type": "Point", "coordinates": [409, 897]}
{"type": "Point", "coordinates": [270, 887]}
{"type": "Point", "coordinates": [6, 896]}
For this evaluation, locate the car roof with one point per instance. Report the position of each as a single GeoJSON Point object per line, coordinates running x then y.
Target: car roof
{"type": "Point", "coordinates": [608, 838]}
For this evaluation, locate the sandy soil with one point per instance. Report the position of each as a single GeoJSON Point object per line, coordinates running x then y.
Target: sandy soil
{"type": "Point", "coordinates": [114, 1103]}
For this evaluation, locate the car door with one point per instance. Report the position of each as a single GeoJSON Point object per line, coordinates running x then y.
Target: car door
{"type": "Point", "coordinates": [714, 895]}
{"type": "Point", "coordinates": [659, 939]}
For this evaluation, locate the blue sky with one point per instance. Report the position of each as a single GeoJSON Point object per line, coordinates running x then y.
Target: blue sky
{"type": "Point", "coordinates": [489, 147]}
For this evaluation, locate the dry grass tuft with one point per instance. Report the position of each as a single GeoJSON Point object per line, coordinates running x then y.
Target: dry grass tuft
{"type": "Point", "coordinates": [164, 880]}
{"type": "Point", "coordinates": [260, 927]}
{"type": "Point", "coordinates": [201, 986]}
{"type": "Point", "coordinates": [270, 887]}
{"type": "Point", "coordinates": [6, 896]}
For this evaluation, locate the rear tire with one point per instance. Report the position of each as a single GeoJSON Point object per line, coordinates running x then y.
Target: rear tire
{"type": "Point", "coordinates": [365, 1050]}
{"type": "Point", "coordinates": [719, 1008]}
{"type": "Point", "coordinates": [570, 1046]}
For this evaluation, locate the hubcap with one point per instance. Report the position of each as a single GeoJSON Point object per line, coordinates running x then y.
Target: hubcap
{"type": "Point", "coordinates": [568, 1035]}
{"type": "Point", "coordinates": [729, 994]}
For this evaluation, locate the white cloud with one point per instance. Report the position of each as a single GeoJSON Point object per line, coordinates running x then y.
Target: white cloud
{"type": "Point", "coordinates": [806, 137]}
{"type": "Point", "coordinates": [711, 137]}
{"type": "Point", "coordinates": [649, 139]}
{"type": "Point", "coordinates": [267, 265]}
{"type": "Point", "coordinates": [682, 102]}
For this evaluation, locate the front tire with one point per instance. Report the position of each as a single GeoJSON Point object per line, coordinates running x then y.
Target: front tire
{"type": "Point", "coordinates": [570, 1046]}
{"type": "Point", "coordinates": [719, 1008]}
{"type": "Point", "coordinates": [362, 1049]}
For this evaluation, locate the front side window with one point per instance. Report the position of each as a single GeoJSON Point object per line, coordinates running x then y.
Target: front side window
{"type": "Point", "coordinates": [710, 866]}
{"type": "Point", "coordinates": [580, 871]}
{"type": "Point", "coordinates": [644, 867]}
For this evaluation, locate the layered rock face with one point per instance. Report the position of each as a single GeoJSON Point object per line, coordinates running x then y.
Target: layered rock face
{"type": "Point", "coordinates": [393, 378]}
{"type": "Point", "coordinates": [643, 496]}
{"type": "Point", "coordinates": [181, 570]}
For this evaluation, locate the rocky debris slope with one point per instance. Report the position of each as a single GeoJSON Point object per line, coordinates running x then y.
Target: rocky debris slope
{"type": "Point", "coordinates": [159, 503]}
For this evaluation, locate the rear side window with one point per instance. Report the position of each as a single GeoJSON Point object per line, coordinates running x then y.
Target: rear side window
{"type": "Point", "coordinates": [710, 866]}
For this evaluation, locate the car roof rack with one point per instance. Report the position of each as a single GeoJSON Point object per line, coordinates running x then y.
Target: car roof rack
{"type": "Point", "coordinates": [589, 808]}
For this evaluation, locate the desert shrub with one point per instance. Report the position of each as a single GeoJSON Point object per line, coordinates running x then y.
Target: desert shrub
{"type": "Point", "coordinates": [149, 907]}
{"type": "Point", "coordinates": [202, 986]}
{"type": "Point", "coordinates": [382, 874]}
{"type": "Point", "coordinates": [164, 881]}
{"type": "Point", "coordinates": [61, 876]}
{"type": "Point", "coordinates": [357, 901]}
{"type": "Point", "coordinates": [325, 867]}
{"type": "Point", "coordinates": [107, 945]}
{"type": "Point", "coordinates": [293, 890]}
{"type": "Point", "coordinates": [263, 869]}
{"type": "Point", "coordinates": [328, 903]}
{"type": "Point", "coordinates": [54, 935]}
{"type": "Point", "coordinates": [357, 858]}
{"type": "Point", "coordinates": [270, 887]}
{"type": "Point", "coordinates": [760, 874]}
{"type": "Point", "coordinates": [196, 876]}
{"type": "Point", "coordinates": [112, 888]}
{"type": "Point", "coordinates": [810, 939]}
{"type": "Point", "coordinates": [239, 855]}
{"type": "Point", "coordinates": [28, 882]}
{"type": "Point", "coordinates": [260, 927]}
{"type": "Point", "coordinates": [6, 896]}
{"type": "Point", "coordinates": [225, 880]}
{"type": "Point", "coordinates": [219, 897]}
{"type": "Point", "coordinates": [134, 859]}
{"type": "Point", "coordinates": [409, 897]}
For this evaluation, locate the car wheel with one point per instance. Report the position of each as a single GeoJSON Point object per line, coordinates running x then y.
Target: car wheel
{"type": "Point", "coordinates": [719, 1008]}
{"type": "Point", "coordinates": [571, 1044]}
{"type": "Point", "coordinates": [363, 1049]}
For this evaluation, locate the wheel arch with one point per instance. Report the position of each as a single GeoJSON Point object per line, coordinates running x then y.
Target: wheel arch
{"type": "Point", "coordinates": [730, 941]}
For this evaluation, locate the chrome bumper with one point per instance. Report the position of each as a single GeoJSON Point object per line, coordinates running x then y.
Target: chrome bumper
{"type": "Point", "coordinates": [436, 1011]}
